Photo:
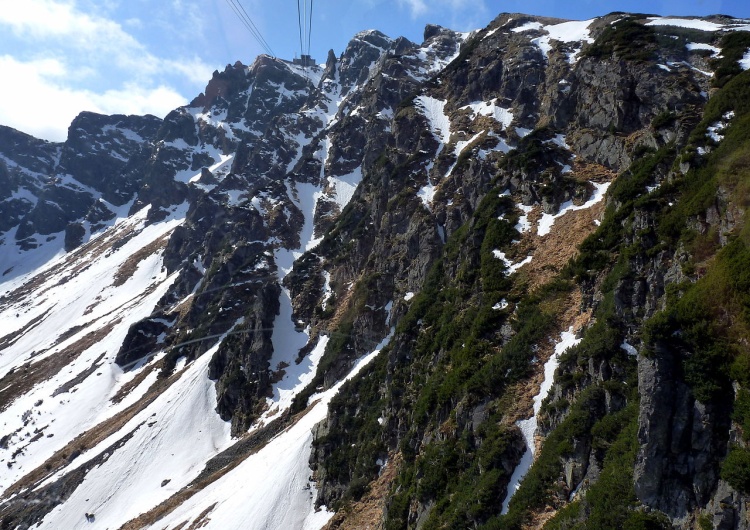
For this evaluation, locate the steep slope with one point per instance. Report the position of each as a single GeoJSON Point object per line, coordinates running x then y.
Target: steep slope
{"type": "Point", "coordinates": [491, 280]}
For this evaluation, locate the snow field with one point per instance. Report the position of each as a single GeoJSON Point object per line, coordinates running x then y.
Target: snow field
{"type": "Point", "coordinates": [91, 300]}
{"type": "Point", "coordinates": [173, 438]}
{"type": "Point", "coordinates": [271, 488]}
{"type": "Point", "coordinates": [573, 31]}
{"type": "Point", "coordinates": [500, 114]}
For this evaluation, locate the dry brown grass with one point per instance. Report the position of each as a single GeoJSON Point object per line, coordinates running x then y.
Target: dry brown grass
{"type": "Point", "coordinates": [368, 513]}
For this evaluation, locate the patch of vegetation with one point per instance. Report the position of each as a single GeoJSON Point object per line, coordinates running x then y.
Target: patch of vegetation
{"type": "Point", "coordinates": [736, 469]}
{"type": "Point", "coordinates": [663, 119]}
{"type": "Point", "coordinates": [733, 46]}
{"type": "Point", "coordinates": [627, 39]}
{"type": "Point", "coordinates": [610, 502]}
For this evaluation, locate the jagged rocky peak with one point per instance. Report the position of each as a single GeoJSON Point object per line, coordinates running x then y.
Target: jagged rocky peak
{"type": "Point", "coordinates": [360, 55]}
{"type": "Point", "coordinates": [222, 84]}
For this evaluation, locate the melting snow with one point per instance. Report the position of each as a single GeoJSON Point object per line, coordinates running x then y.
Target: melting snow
{"type": "Point", "coordinates": [501, 115]}
{"type": "Point", "coordinates": [434, 110]}
{"type": "Point", "coordinates": [527, 27]}
{"type": "Point", "coordinates": [745, 61]}
{"type": "Point", "coordinates": [547, 220]}
{"type": "Point", "coordinates": [523, 221]}
{"type": "Point", "coordinates": [521, 132]}
{"type": "Point", "coordinates": [502, 304]}
{"type": "Point", "coordinates": [344, 186]}
{"type": "Point", "coordinates": [715, 129]}
{"type": "Point", "coordinates": [512, 267]}
{"type": "Point", "coordinates": [559, 140]}
{"type": "Point", "coordinates": [573, 31]}
{"type": "Point", "coordinates": [701, 46]}
{"type": "Point", "coordinates": [408, 296]}
{"type": "Point", "coordinates": [427, 193]}
{"type": "Point", "coordinates": [528, 427]}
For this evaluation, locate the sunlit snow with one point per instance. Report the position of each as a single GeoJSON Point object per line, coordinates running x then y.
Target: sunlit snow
{"type": "Point", "coordinates": [271, 488]}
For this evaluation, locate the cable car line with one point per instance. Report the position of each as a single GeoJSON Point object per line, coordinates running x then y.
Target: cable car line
{"type": "Point", "coordinates": [255, 27]}
{"type": "Point", "coordinates": [304, 22]}
{"type": "Point", "coordinates": [309, 32]}
{"type": "Point", "coordinates": [250, 25]}
{"type": "Point", "coordinates": [299, 24]}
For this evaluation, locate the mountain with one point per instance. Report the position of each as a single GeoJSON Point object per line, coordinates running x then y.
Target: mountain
{"type": "Point", "coordinates": [497, 279]}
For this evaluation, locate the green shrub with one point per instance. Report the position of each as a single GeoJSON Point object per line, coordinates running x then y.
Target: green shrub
{"type": "Point", "coordinates": [736, 469]}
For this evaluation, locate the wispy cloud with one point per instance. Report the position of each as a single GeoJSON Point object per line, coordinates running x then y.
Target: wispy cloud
{"type": "Point", "coordinates": [417, 7]}
{"type": "Point", "coordinates": [460, 10]}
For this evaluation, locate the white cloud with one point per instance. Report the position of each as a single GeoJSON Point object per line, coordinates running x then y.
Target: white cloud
{"type": "Point", "coordinates": [72, 60]}
{"type": "Point", "coordinates": [99, 38]}
{"type": "Point", "coordinates": [36, 102]}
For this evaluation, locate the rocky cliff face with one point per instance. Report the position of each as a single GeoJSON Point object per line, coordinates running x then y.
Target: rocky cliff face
{"type": "Point", "coordinates": [506, 269]}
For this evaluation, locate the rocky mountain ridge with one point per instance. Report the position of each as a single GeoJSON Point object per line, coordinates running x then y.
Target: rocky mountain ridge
{"type": "Point", "coordinates": [371, 270]}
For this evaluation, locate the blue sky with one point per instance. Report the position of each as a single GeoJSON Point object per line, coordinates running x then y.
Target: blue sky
{"type": "Point", "coordinates": [60, 57]}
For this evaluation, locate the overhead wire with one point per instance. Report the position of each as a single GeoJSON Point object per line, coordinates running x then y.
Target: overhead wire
{"type": "Point", "coordinates": [247, 21]}
{"type": "Point", "coordinates": [299, 24]}
{"type": "Point", "coordinates": [250, 20]}
{"type": "Point", "coordinates": [304, 22]}
{"type": "Point", "coordinates": [309, 32]}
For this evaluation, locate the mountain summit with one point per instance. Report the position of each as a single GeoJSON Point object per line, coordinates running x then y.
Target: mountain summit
{"type": "Point", "coordinates": [494, 280]}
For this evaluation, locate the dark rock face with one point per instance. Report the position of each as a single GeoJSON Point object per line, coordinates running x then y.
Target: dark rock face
{"type": "Point", "coordinates": [681, 440]}
{"type": "Point", "coordinates": [99, 148]}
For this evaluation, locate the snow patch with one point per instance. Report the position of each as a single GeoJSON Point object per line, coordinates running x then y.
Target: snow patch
{"type": "Point", "coordinates": [547, 220]}
{"type": "Point", "coordinates": [527, 27]}
{"type": "Point", "coordinates": [529, 427]}
{"type": "Point", "coordinates": [427, 193]}
{"type": "Point", "coordinates": [745, 61]}
{"type": "Point", "coordinates": [344, 186]}
{"type": "Point", "coordinates": [501, 115]}
{"type": "Point", "coordinates": [567, 32]}
{"type": "Point", "coordinates": [434, 110]}
{"type": "Point", "coordinates": [512, 267]}
{"type": "Point", "coordinates": [502, 304]}
{"type": "Point", "coordinates": [701, 46]}
{"type": "Point", "coordinates": [689, 23]}
{"type": "Point", "coordinates": [523, 224]}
